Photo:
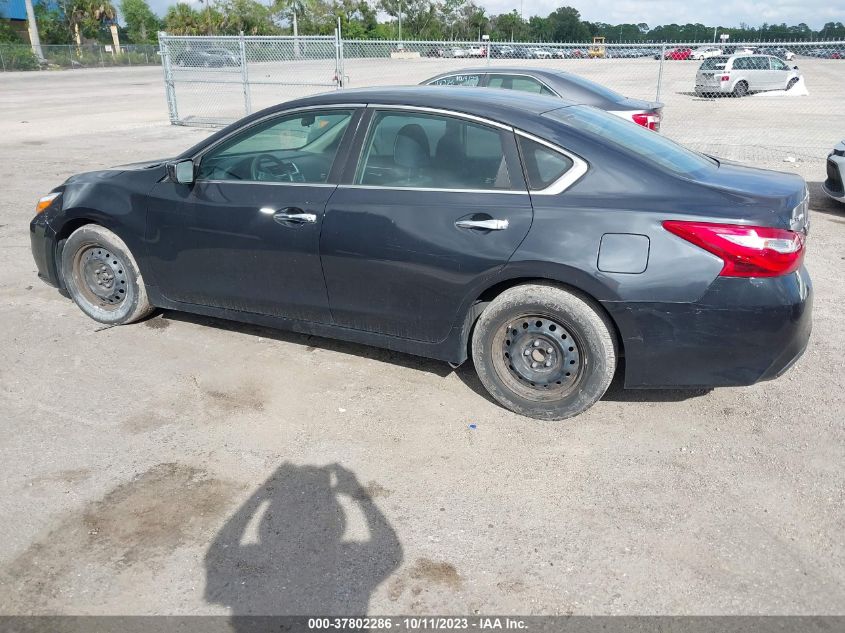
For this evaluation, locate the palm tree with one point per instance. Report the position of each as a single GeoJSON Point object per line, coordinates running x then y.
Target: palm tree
{"type": "Point", "coordinates": [89, 14]}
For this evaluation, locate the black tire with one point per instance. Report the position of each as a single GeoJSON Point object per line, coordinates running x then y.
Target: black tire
{"type": "Point", "coordinates": [791, 83]}
{"type": "Point", "coordinates": [102, 277]}
{"type": "Point", "coordinates": [577, 351]}
{"type": "Point", "coordinates": [740, 89]}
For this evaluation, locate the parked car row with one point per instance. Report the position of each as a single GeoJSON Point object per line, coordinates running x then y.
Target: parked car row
{"type": "Point", "coordinates": [828, 53]}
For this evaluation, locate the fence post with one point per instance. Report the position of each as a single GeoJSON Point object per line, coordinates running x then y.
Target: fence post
{"type": "Point", "coordinates": [660, 71]}
{"type": "Point", "coordinates": [245, 75]}
{"type": "Point", "coordinates": [338, 56]}
{"type": "Point", "coordinates": [2, 61]}
{"type": "Point", "coordinates": [169, 89]}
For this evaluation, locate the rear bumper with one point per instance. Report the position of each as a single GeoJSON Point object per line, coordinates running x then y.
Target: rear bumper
{"type": "Point", "coordinates": [723, 87]}
{"type": "Point", "coordinates": [42, 240]}
{"type": "Point", "coordinates": [833, 185]}
{"type": "Point", "coordinates": [740, 332]}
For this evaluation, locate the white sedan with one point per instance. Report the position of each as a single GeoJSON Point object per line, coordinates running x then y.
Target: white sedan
{"type": "Point", "coordinates": [705, 52]}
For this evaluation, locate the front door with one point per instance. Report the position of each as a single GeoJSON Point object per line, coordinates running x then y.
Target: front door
{"type": "Point", "coordinates": [245, 235]}
{"type": "Point", "coordinates": [436, 205]}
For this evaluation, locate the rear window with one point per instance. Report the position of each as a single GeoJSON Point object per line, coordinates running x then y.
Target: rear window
{"type": "Point", "coordinates": [714, 63]}
{"type": "Point", "coordinates": [635, 139]}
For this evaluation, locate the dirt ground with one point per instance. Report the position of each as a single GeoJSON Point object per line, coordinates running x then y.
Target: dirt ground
{"type": "Point", "coordinates": [186, 465]}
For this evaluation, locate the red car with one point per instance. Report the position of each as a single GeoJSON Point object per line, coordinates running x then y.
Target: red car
{"type": "Point", "coordinates": [678, 53]}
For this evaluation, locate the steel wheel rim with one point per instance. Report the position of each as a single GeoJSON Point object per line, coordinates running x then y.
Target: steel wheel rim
{"type": "Point", "coordinates": [538, 357]}
{"type": "Point", "coordinates": [100, 275]}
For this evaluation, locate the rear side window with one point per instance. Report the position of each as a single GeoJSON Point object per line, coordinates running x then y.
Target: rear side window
{"type": "Point", "coordinates": [543, 165]}
{"type": "Point", "coordinates": [432, 151]}
{"type": "Point", "coordinates": [457, 80]}
{"type": "Point", "coordinates": [520, 83]}
{"type": "Point", "coordinates": [742, 63]}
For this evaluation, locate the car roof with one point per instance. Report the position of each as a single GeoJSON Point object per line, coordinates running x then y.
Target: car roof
{"type": "Point", "coordinates": [519, 109]}
{"type": "Point", "coordinates": [503, 105]}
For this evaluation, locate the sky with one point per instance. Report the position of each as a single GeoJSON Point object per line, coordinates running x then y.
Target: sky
{"type": "Point", "coordinates": [655, 12]}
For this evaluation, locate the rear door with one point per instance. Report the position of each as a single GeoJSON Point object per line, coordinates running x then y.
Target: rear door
{"type": "Point", "coordinates": [760, 73]}
{"type": "Point", "coordinates": [436, 205]}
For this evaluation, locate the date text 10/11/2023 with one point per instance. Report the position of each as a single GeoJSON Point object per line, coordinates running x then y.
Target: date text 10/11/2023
{"type": "Point", "coordinates": [417, 623]}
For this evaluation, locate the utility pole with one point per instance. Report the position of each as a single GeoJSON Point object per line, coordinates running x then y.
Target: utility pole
{"type": "Point", "coordinates": [400, 23]}
{"type": "Point", "coordinates": [34, 39]}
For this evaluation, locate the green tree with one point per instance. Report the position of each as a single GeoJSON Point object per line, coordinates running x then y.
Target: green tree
{"type": "Point", "coordinates": [141, 23]}
{"type": "Point", "coordinates": [567, 25]}
{"type": "Point", "coordinates": [87, 18]}
{"type": "Point", "coordinates": [508, 27]}
{"type": "Point", "coordinates": [53, 26]}
{"type": "Point", "coordinates": [182, 19]}
{"type": "Point", "coordinates": [247, 16]}
{"type": "Point", "coordinates": [420, 19]}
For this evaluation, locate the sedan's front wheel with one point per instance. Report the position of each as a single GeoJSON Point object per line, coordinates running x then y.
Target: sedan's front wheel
{"type": "Point", "coordinates": [543, 351]}
{"type": "Point", "coordinates": [102, 277]}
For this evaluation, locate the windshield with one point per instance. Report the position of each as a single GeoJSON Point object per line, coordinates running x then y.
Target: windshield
{"type": "Point", "coordinates": [714, 63]}
{"type": "Point", "coordinates": [635, 139]}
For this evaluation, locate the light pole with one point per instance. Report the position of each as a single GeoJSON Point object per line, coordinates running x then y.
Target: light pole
{"type": "Point", "coordinates": [400, 23]}
{"type": "Point", "coordinates": [34, 39]}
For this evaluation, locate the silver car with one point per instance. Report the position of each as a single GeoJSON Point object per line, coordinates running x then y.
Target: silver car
{"type": "Point", "coordinates": [739, 75]}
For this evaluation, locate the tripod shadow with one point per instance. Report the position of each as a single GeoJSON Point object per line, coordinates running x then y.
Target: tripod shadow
{"type": "Point", "coordinates": [309, 540]}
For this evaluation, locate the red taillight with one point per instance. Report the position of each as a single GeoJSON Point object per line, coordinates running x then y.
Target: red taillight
{"type": "Point", "coordinates": [651, 121]}
{"type": "Point", "coordinates": [748, 251]}
{"type": "Point", "coordinates": [726, 77]}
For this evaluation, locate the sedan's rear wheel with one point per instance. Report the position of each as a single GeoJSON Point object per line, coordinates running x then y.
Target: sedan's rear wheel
{"type": "Point", "coordinates": [102, 277]}
{"type": "Point", "coordinates": [741, 89]}
{"type": "Point", "coordinates": [543, 351]}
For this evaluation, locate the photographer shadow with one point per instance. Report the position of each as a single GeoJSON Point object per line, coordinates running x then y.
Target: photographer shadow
{"type": "Point", "coordinates": [310, 540]}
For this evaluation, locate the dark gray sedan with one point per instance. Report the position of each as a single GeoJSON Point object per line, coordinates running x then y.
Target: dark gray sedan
{"type": "Point", "coordinates": [548, 240]}
{"type": "Point", "coordinates": [555, 83]}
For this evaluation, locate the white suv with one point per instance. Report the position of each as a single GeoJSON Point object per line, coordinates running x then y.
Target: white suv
{"type": "Point", "coordinates": [739, 75]}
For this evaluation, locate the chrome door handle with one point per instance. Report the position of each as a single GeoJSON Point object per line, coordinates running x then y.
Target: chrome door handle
{"type": "Point", "coordinates": [487, 225]}
{"type": "Point", "coordinates": [297, 217]}
{"type": "Point", "coordinates": [293, 215]}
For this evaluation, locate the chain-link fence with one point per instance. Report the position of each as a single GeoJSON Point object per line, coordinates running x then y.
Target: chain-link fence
{"type": "Point", "coordinates": [758, 102]}
{"type": "Point", "coordinates": [214, 80]}
{"type": "Point", "coordinates": [21, 57]}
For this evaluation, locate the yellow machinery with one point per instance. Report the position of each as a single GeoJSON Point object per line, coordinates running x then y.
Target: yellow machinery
{"type": "Point", "coordinates": [597, 49]}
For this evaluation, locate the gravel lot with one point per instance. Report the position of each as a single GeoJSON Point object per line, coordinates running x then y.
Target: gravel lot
{"type": "Point", "coordinates": [138, 461]}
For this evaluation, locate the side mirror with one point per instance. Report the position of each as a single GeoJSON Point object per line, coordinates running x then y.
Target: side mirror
{"type": "Point", "coordinates": [181, 171]}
